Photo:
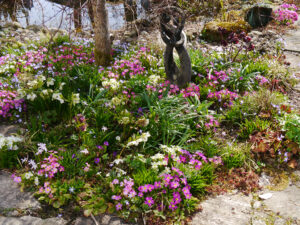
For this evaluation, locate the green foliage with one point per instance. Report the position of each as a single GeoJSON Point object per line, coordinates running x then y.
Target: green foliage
{"type": "Point", "coordinates": [234, 156]}
{"type": "Point", "coordinates": [291, 124]}
{"type": "Point", "coordinates": [249, 126]}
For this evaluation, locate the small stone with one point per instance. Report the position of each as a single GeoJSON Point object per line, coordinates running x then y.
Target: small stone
{"type": "Point", "coordinates": [257, 205]}
{"type": "Point", "coordinates": [265, 196]}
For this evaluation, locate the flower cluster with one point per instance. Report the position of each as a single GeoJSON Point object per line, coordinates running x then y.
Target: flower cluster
{"type": "Point", "coordinates": [9, 143]}
{"type": "Point", "coordinates": [225, 97]}
{"type": "Point", "coordinates": [80, 122]}
{"type": "Point", "coordinates": [8, 102]}
{"type": "Point", "coordinates": [286, 14]}
{"type": "Point", "coordinates": [50, 166]}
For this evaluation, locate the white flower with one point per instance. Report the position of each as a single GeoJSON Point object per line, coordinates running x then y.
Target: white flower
{"type": "Point", "coordinates": [32, 164]}
{"type": "Point", "coordinates": [115, 101]}
{"type": "Point", "coordinates": [28, 175]}
{"type": "Point", "coordinates": [75, 98]}
{"type": "Point", "coordinates": [85, 151]}
{"type": "Point", "coordinates": [36, 181]}
{"type": "Point", "coordinates": [61, 86]}
{"type": "Point", "coordinates": [50, 82]}
{"type": "Point", "coordinates": [31, 96]}
{"type": "Point", "coordinates": [58, 97]}
{"type": "Point", "coordinates": [118, 161]}
{"type": "Point", "coordinates": [104, 128]}
{"type": "Point", "coordinates": [41, 148]}
{"type": "Point", "coordinates": [118, 138]}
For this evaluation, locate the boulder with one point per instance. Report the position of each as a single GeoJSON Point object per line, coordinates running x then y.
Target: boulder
{"type": "Point", "coordinates": [34, 28]}
{"type": "Point", "coordinates": [259, 16]}
{"type": "Point", "coordinates": [211, 31]}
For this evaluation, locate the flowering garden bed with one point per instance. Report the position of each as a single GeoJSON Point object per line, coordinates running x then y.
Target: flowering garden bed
{"type": "Point", "coordinates": [122, 139]}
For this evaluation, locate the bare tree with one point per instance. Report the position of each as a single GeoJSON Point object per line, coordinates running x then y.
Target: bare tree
{"type": "Point", "coordinates": [102, 41]}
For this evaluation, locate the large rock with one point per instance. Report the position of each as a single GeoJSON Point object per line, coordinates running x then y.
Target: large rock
{"type": "Point", "coordinates": [29, 220]}
{"type": "Point", "coordinates": [211, 31]}
{"type": "Point", "coordinates": [103, 220]}
{"type": "Point", "coordinates": [229, 209]}
{"type": "Point", "coordinates": [12, 197]}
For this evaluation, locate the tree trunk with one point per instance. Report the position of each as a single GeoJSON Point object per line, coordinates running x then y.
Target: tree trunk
{"type": "Point", "coordinates": [102, 42]}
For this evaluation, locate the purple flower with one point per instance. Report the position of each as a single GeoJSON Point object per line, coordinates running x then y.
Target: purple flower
{"type": "Point", "coordinates": [177, 199]}
{"type": "Point", "coordinates": [115, 181]}
{"type": "Point", "coordinates": [140, 194]}
{"type": "Point", "coordinates": [106, 143]}
{"type": "Point", "coordinates": [118, 206]}
{"type": "Point", "coordinates": [172, 205]}
{"type": "Point", "coordinates": [97, 160]}
{"type": "Point", "coordinates": [174, 184]}
{"type": "Point", "coordinates": [157, 184]}
{"type": "Point", "coordinates": [100, 147]}
{"type": "Point", "coordinates": [149, 201]}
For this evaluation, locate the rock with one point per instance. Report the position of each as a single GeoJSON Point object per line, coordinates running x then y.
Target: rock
{"type": "Point", "coordinates": [224, 209]}
{"type": "Point", "coordinates": [265, 196]}
{"type": "Point", "coordinates": [35, 28]}
{"type": "Point", "coordinates": [285, 202]}
{"type": "Point", "coordinates": [29, 220]}
{"type": "Point", "coordinates": [7, 130]}
{"type": "Point", "coordinates": [257, 205]}
{"type": "Point", "coordinates": [131, 34]}
{"type": "Point", "coordinates": [211, 31]}
{"type": "Point", "coordinates": [12, 197]}
{"type": "Point", "coordinates": [259, 16]}
{"type": "Point", "coordinates": [103, 220]}
{"type": "Point", "coordinates": [14, 25]}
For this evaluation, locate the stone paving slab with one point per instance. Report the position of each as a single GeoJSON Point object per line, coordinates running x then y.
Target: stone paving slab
{"type": "Point", "coordinates": [102, 220]}
{"type": "Point", "coordinates": [285, 203]}
{"type": "Point", "coordinates": [29, 220]}
{"type": "Point", "coordinates": [12, 197]}
{"type": "Point", "coordinates": [232, 209]}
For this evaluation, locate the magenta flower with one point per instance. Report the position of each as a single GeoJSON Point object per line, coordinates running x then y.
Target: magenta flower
{"type": "Point", "coordinates": [157, 184]}
{"type": "Point", "coordinates": [149, 201]}
{"type": "Point", "coordinates": [174, 184]}
{"type": "Point", "coordinates": [172, 206]}
{"type": "Point", "coordinates": [116, 197]}
{"type": "Point", "coordinates": [118, 206]}
{"type": "Point", "coordinates": [106, 143]}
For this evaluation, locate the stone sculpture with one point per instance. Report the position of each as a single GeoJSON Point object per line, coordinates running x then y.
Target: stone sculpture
{"type": "Point", "coordinates": [171, 28]}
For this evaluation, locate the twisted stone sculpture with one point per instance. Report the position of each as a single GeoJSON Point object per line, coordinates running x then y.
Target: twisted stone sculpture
{"type": "Point", "coordinates": [174, 37]}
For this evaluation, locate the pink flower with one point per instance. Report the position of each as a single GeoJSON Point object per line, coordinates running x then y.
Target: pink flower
{"type": "Point", "coordinates": [118, 206]}
{"type": "Point", "coordinates": [149, 201]}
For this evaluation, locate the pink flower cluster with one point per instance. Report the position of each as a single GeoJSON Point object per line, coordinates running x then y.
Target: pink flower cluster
{"type": "Point", "coordinates": [50, 166]}
{"type": "Point", "coordinates": [217, 77]}
{"type": "Point", "coordinates": [196, 159]}
{"type": "Point", "coordinates": [224, 96]}
{"type": "Point", "coordinates": [262, 80]}
{"type": "Point", "coordinates": [66, 57]}
{"type": "Point", "coordinates": [286, 14]}
{"type": "Point", "coordinates": [16, 178]}
{"type": "Point", "coordinates": [128, 68]}
{"type": "Point", "coordinates": [46, 190]}
{"type": "Point", "coordinates": [9, 102]}
{"type": "Point", "coordinates": [173, 89]}
{"type": "Point", "coordinates": [128, 191]}
{"type": "Point", "coordinates": [212, 122]}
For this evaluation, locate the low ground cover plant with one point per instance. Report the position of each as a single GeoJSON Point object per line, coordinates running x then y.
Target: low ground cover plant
{"type": "Point", "coordinates": [122, 139]}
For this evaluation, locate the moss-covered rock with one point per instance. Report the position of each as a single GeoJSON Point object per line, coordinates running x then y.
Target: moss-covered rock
{"type": "Point", "coordinates": [211, 31]}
